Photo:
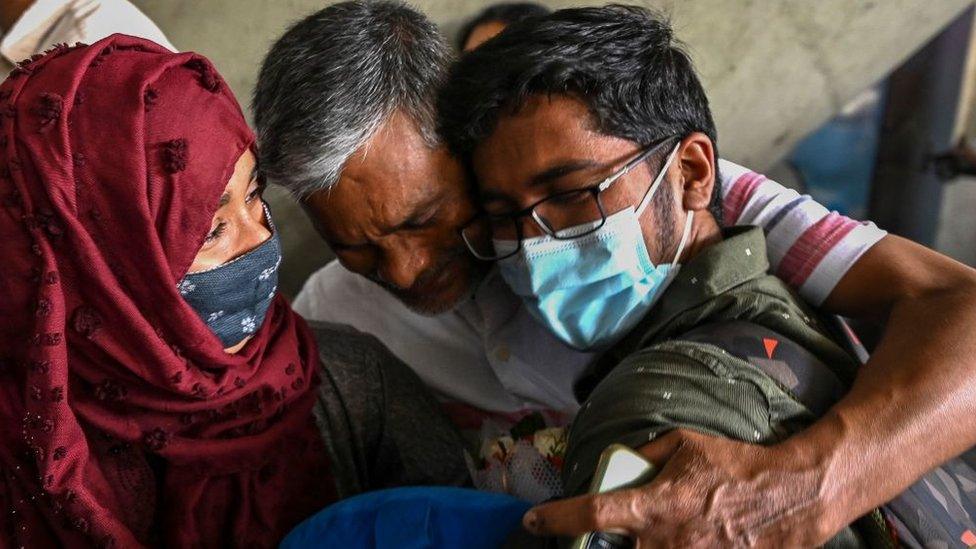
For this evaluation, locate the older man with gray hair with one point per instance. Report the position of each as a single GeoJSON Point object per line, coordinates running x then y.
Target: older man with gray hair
{"type": "Point", "coordinates": [344, 112]}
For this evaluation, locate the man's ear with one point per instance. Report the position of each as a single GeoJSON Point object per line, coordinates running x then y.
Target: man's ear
{"type": "Point", "coordinates": [696, 161]}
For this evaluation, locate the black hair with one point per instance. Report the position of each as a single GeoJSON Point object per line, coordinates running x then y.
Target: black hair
{"type": "Point", "coordinates": [623, 62]}
{"type": "Point", "coordinates": [504, 12]}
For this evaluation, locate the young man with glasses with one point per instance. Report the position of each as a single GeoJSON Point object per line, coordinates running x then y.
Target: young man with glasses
{"type": "Point", "coordinates": [596, 313]}
{"type": "Point", "coordinates": [595, 155]}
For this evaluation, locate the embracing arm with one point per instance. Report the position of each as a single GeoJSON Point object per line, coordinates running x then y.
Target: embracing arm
{"type": "Point", "coordinates": [912, 404]}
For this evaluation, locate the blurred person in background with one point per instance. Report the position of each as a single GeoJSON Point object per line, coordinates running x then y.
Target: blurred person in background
{"type": "Point", "coordinates": [29, 27]}
{"type": "Point", "coordinates": [493, 20]}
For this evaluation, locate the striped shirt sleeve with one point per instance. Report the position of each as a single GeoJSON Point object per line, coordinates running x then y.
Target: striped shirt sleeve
{"type": "Point", "coordinates": [810, 248]}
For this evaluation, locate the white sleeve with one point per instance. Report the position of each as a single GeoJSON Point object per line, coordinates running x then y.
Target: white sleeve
{"type": "Point", "coordinates": [809, 247]}
{"type": "Point", "coordinates": [323, 293]}
{"type": "Point", "coordinates": [303, 303]}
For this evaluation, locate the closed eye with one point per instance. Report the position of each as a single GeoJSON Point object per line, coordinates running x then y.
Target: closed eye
{"type": "Point", "coordinates": [415, 225]}
{"type": "Point", "coordinates": [337, 247]}
{"type": "Point", "coordinates": [258, 192]}
{"type": "Point", "coordinates": [419, 222]}
{"type": "Point", "coordinates": [215, 233]}
{"type": "Point", "coordinates": [570, 197]}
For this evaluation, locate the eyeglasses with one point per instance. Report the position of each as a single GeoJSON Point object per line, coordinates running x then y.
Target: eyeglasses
{"type": "Point", "coordinates": [564, 216]}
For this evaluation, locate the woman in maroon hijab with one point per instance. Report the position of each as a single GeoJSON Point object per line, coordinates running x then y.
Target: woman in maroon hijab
{"type": "Point", "coordinates": [132, 413]}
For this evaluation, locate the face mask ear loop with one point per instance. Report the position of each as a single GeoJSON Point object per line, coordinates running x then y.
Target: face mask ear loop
{"type": "Point", "coordinates": [657, 181]}
{"type": "Point", "coordinates": [684, 237]}
{"type": "Point", "coordinates": [267, 215]}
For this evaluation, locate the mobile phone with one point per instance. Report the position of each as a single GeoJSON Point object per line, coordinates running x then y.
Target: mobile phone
{"type": "Point", "coordinates": [619, 467]}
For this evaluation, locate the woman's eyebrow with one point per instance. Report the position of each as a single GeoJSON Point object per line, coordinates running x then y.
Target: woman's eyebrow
{"type": "Point", "coordinates": [225, 198]}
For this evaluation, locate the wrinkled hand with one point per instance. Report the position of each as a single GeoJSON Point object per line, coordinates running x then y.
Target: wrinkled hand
{"type": "Point", "coordinates": [710, 491]}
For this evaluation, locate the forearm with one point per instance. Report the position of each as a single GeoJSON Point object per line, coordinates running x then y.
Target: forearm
{"type": "Point", "coordinates": [909, 410]}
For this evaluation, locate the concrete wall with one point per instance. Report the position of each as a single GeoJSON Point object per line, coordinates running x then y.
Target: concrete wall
{"type": "Point", "coordinates": [774, 69]}
{"type": "Point", "coordinates": [957, 227]}
{"type": "Point", "coordinates": [957, 230]}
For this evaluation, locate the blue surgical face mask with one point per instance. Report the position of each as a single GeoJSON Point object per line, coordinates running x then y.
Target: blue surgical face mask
{"type": "Point", "coordinates": [590, 291]}
{"type": "Point", "coordinates": [233, 298]}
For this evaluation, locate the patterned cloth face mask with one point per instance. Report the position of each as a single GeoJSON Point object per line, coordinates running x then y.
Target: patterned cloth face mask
{"type": "Point", "coordinates": [233, 298]}
{"type": "Point", "coordinates": [590, 291]}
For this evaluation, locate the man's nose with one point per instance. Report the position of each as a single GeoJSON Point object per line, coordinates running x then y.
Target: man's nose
{"type": "Point", "coordinates": [402, 265]}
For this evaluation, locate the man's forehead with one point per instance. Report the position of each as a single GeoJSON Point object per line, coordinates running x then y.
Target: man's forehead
{"type": "Point", "coordinates": [397, 138]}
{"type": "Point", "coordinates": [394, 176]}
{"type": "Point", "coordinates": [542, 132]}
{"type": "Point", "coordinates": [374, 202]}
{"type": "Point", "coordinates": [540, 119]}
{"type": "Point", "coordinates": [394, 164]}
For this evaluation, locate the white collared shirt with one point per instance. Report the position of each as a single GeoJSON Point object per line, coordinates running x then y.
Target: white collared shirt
{"type": "Point", "coordinates": [49, 22]}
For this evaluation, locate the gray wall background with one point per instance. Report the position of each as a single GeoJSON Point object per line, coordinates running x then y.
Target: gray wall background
{"type": "Point", "coordinates": [774, 69]}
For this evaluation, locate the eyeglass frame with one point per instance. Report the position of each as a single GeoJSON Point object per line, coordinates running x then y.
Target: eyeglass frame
{"type": "Point", "coordinates": [594, 189]}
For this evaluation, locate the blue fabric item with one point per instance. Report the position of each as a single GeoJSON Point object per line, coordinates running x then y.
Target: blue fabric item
{"type": "Point", "coordinates": [233, 298]}
{"type": "Point", "coordinates": [413, 518]}
{"type": "Point", "coordinates": [837, 160]}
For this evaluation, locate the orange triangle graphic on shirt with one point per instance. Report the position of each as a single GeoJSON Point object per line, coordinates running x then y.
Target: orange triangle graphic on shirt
{"type": "Point", "coordinates": [770, 345]}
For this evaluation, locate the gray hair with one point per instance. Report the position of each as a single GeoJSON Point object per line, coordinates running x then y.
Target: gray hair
{"type": "Point", "coordinates": [334, 78]}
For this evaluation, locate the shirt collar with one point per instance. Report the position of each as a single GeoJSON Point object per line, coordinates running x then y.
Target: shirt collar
{"type": "Point", "coordinates": [738, 258]}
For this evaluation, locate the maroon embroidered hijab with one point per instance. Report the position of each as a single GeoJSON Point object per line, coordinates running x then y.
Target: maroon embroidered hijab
{"type": "Point", "coordinates": [122, 421]}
